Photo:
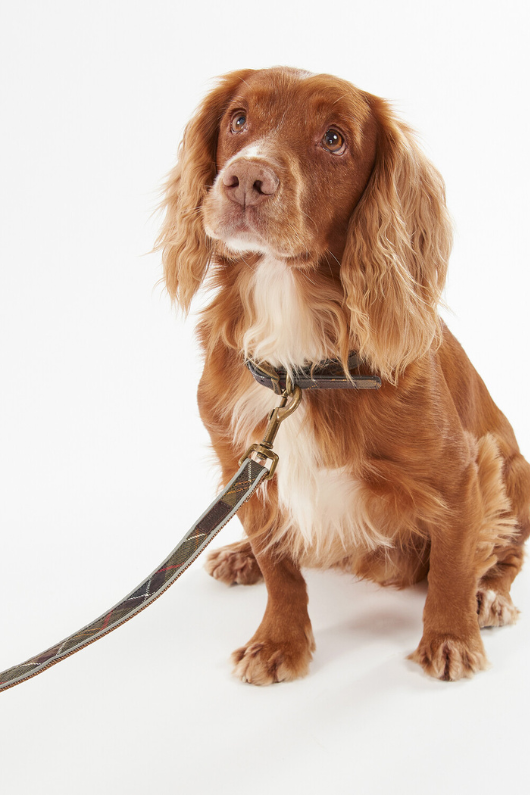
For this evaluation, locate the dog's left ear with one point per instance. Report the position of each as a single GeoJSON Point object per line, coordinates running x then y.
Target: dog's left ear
{"type": "Point", "coordinates": [185, 247]}
{"type": "Point", "coordinates": [395, 261]}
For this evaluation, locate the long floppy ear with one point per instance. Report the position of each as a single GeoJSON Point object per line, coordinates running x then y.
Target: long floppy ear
{"type": "Point", "coordinates": [395, 261]}
{"type": "Point", "coordinates": [186, 250]}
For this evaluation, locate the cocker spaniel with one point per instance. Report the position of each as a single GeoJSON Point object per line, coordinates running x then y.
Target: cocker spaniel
{"type": "Point", "coordinates": [321, 229]}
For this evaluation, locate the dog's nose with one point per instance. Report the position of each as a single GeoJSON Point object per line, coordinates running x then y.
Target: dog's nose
{"type": "Point", "coordinates": [248, 182]}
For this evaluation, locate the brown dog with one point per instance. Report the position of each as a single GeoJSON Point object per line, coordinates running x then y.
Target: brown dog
{"type": "Point", "coordinates": [322, 229]}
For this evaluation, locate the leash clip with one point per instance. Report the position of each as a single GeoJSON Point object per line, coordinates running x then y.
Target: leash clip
{"type": "Point", "coordinates": [276, 417]}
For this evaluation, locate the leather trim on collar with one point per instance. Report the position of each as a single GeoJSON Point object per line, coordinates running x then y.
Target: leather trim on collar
{"type": "Point", "coordinates": [328, 374]}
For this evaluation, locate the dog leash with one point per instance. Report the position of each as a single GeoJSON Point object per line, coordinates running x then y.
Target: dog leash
{"type": "Point", "coordinates": [251, 473]}
{"type": "Point", "coordinates": [244, 483]}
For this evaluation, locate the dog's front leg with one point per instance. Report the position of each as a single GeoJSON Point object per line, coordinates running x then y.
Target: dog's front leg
{"type": "Point", "coordinates": [282, 647]}
{"type": "Point", "coordinates": [451, 646]}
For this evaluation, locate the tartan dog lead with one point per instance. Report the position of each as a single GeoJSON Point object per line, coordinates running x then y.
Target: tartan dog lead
{"type": "Point", "coordinates": [251, 473]}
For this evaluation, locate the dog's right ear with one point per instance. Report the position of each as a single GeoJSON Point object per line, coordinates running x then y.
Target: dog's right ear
{"type": "Point", "coordinates": [186, 250]}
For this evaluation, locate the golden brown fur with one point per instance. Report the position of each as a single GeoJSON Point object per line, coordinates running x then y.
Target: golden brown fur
{"type": "Point", "coordinates": [321, 228]}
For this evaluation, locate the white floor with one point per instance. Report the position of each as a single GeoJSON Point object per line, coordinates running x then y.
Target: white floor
{"type": "Point", "coordinates": [154, 705]}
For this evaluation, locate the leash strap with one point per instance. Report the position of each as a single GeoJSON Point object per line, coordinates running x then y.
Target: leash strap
{"type": "Point", "coordinates": [241, 487]}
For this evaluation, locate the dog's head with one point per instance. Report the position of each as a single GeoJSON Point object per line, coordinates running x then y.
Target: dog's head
{"type": "Point", "coordinates": [309, 169]}
{"type": "Point", "coordinates": [293, 156]}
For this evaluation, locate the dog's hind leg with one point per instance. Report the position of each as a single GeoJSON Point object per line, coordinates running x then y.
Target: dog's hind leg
{"type": "Point", "coordinates": [494, 603]}
{"type": "Point", "coordinates": [234, 564]}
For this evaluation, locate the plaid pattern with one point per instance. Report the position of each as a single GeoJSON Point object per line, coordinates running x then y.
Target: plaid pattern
{"type": "Point", "coordinates": [328, 374]}
{"type": "Point", "coordinates": [238, 491]}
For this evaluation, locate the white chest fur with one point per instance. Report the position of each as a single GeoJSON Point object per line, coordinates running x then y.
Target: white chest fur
{"type": "Point", "coordinates": [323, 511]}
{"type": "Point", "coordinates": [285, 332]}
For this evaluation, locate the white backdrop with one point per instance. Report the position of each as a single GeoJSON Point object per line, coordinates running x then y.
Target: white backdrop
{"type": "Point", "coordinates": [103, 460]}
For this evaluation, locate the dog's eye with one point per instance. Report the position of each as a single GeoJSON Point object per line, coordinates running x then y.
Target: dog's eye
{"type": "Point", "coordinates": [333, 141]}
{"type": "Point", "coordinates": [239, 121]}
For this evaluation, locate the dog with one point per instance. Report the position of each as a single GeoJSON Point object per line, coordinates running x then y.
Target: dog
{"type": "Point", "coordinates": [321, 228]}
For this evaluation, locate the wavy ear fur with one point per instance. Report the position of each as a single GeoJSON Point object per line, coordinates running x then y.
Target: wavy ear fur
{"type": "Point", "coordinates": [185, 248]}
{"type": "Point", "coordinates": [395, 261]}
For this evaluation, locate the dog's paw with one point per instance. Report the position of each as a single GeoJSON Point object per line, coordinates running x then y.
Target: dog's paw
{"type": "Point", "coordinates": [450, 658]}
{"type": "Point", "coordinates": [494, 609]}
{"type": "Point", "coordinates": [234, 565]}
{"type": "Point", "coordinates": [264, 662]}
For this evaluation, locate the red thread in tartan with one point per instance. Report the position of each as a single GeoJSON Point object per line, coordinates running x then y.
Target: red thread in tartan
{"type": "Point", "coordinates": [167, 568]}
{"type": "Point", "coordinates": [107, 619]}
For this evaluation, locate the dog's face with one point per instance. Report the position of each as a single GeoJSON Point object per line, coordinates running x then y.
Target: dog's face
{"type": "Point", "coordinates": [294, 153]}
{"type": "Point", "coordinates": [309, 170]}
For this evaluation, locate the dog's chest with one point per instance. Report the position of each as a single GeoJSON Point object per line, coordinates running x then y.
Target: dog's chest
{"type": "Point", "coordinates": [323, 512]}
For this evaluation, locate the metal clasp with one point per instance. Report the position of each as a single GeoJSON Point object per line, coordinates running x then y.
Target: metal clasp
{"type": "Point", "coordinates": [290, 400]}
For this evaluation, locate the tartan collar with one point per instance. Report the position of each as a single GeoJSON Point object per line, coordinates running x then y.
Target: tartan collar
{"type": "Point", "coordinates": [328, 374]}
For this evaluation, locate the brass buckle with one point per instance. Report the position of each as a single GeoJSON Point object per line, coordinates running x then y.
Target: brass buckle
{"type": "Point", "coordinates": [264, 449]}
{"type": "Point", "coordinates": [269, 372]}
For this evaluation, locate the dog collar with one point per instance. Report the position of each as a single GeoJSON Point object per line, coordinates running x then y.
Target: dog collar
{"type": "Point", "coordinates": [328, 374]}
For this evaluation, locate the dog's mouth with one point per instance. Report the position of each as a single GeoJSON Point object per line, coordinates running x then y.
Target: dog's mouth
{"type": "Point", "coordinates": [245, 230]}
{"type": "Point", "coordinates": [235, 228]}
{"type": "Point", "coordinates": [244, 241]}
